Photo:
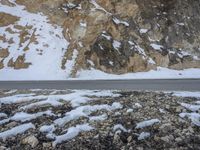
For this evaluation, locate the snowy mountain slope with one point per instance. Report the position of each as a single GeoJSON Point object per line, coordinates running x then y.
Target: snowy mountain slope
{"type": "Point", "coordinates": [98, 39]}
{"type": "Point", "coordinates": [40, 43]}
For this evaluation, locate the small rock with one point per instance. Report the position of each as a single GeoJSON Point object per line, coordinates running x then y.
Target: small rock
{"type": "Point", "coordinates": [117, 113]}
{"type": "Point", "coordinates": [179, 109]}
{"type": "Point", "coordinates": [3, 148]}
{"type": "Point", "coordinates": [137, 105]}
{"type": "Point", "coordinates": [181, 120]}
{"type": "Point", "coordinates": [178, 139]}
{"type": "Point", "coordinates": [162, 111]}
{"type": "Point", "coordinates": [144, 135]}
{"type": "Point", "coordinates": [31, 140]}
{"type": "Point", "coordinates": [46, 145]}
{"type": "Point", "coordinates": [116, 137]}
{"type": "Point", "coordinates": [190, 129]}
{"type": "Point", "coordinates": [11, 125]}
{"type": "Point", "coordinates": [184, 110]}
{"type": "Point", "coordinates": [165, 128]}
{"type": "Point", "coordinates": [167, 107]}
{"type": "Point", "coordinates": [167, 138]}
{"type": "Point", "coordinates": [177, 131]}
{"type": "Point", "coordinates": [139, 148]}
{"type": "Point", "coordinates": [129, 139]}
{"type": "Point", "coordinates": [131, 148]}
{"type": "Point", "coordinates": [156, 138]}
{"type": "Point", "coordinates": [129, 111]}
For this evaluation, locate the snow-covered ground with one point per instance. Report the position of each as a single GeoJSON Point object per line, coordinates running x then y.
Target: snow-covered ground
{"type": "Point", "coordinates": [160, 73]}
{"type": "Point", "coordinates": [93, 74]}
{"type": "Point", "coordinates": [61, 115]}
{"type": "Point", "coordinates": [78, 100]}
{"type": "Point", "coordinates": [186, 94]}
{"type": "Point", "coordinates": [43, 46]}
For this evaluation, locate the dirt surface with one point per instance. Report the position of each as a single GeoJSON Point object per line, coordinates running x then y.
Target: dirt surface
{"type": "Point", "coordinates": [119, 128]}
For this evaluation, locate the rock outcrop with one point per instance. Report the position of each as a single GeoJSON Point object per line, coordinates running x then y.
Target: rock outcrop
{"type": "Point", "coordinates": [131, 36]}
{"type": "Point", "coordinates": [121, 36]}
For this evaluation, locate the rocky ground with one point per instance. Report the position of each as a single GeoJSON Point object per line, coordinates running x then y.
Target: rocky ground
{"type": "Point", "coordinates": [106, 120]}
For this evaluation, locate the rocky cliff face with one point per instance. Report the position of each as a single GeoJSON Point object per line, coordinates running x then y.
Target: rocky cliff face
{"type": "Point", "coordinates": [115, 36]}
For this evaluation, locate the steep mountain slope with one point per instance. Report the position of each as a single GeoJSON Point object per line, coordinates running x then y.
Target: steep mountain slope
{"type": "Point", "coordinates": [56, 39]}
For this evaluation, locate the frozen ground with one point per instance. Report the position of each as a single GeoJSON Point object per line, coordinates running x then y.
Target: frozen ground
{"type": "Point", "coordinates": [65, 119]}
{"type": "Point", "coordinates": [160, 73]}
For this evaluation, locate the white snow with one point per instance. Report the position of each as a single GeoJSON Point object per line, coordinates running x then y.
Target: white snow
{"type": "Point", "coordinates": [156, 46]}
{"type": "Point", "coordinates": [191, 107]}
{"type": "Point", "coordinates": [71, 63]}
{"type": "Point", "coordinates": [129, 110]}
{"type": "Point", "coordinates": [71, 133]}
{"type": "Point", "coordinates": [76, 98]}
{"type": "Point", "coordinates": [3, 115]}
{"type": "Point", "coordinates": [23, 117]}
{"type": "Point", "coordinates": [186, 94]}
{"type": "Point", "coordinates": [45, 53]}
{"type": "Point", "coordinates": [85, 111]}
{"type": "Point", "coordinates": [162, 110]}
{"type": "Point", "coordinates": [119, 127]}
{"type": "Point", "coordinates": [16, 98]}
{"type": "Point", "coordinates": [141, 51]}
{"type": "Point", "coordinates": [101, 47]}
{"type": "Point", "coordinates": [143, 31]}
{"type": "Point", "coordinates": [147, 123]}
{"type": "Point", "coordinates": [180, 24]}
{"type": "Point", "coordinates": [117, 21]}
{"type": "Point", "coordinates": [98, 118]}
{"type": "Point", "coordinates": [144, 135]}
{"type": "Point", "coordinates": [4, 121]}
{"type": "Point", "coordinates": [16, 130]}
{"type": "Point", "coordinates": [71, 5]}
{"type": "Point", "coordinates": [194, 117]}
{"type": "Point", "coordinates": [151, 61]}
{"type": "Point", "coordinates": [47, 128]}
{"type": "Point", "coordinates": [11, 92]}
{"type": "Point", "coordinates": [107, 37]}
{"type": "Point", "coordinates": [116, 44]}
{"type": "Point", "coordinates": [111, 63]}
{"type": "Point", "coordinates": [160, 73]}
{"type": "Point", "coordinates": [83, 24]}
{"type": "Point", "coordinates": [91, 63]}
{"type": "Point", "coordinates": [50, 101]}
{"type": "Point", "coordinates": [138, 105]}
{"type": "Point", "coordinates": [98, 7]}
{"type": "Point", "coordinates": [138, 48]}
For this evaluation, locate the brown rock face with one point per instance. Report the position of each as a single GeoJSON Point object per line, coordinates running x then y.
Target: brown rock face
{"type": "Point", "coordinates": [19, 63]}
{"type": "Point", "coordinates": [4, 53]}
{"type": "Point", "coordinates": [1, 64]}
{"type": "Point", "coordinates": [118, 35]}
{"type": "Point", "coordinates": [7, 19]}
{"type": "Point", "coordinates": [123, 36]}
